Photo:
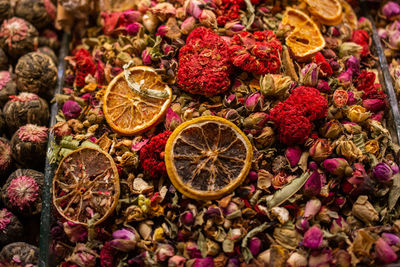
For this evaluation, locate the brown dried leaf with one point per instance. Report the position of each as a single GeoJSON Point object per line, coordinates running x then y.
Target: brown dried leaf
{"type": "Point", "coordinates": [288, 65]}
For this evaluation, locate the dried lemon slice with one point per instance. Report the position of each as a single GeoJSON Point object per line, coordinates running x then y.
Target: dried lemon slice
{"type": "Point", "coordinates": [328, 12]}
{"type": "Point", "coordinates": [136, 100]}
{"type": "Point", "coordinates": [305, 39]}
{"type": "Point", "coordinates": [86, 183]}
{"type": "Point", "coordinates": [349, 16]}
{"type": "Point", "coordinates": [207, 157]}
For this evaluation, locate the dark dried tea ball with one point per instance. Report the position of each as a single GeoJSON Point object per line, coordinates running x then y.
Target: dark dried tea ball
{"type": "Point", "coordinates": [36, 73]}
{"type": "Point", "coordinates": [38, 12]}
{"type": "Point", "coordinates": [23, 109]}
{"type": "Point", "coordinates": [5, 159]}
{"type": "Point", "coordinates": [19, 254]}
{"type": "Point", "coordinates": [3, 60]}
{"type": "Point", "coordinates": [7, 87]}
{"type": "Point", "coordinates": [11, 229]}
{"type": "Point", "coordinates": [18, 37]}
{"type": "Point", "coordinates": [48, 51]}
{"type": "Point", "coordinates": [5, 9]}
{"type": "Point", "coordinates": [29, 145]}
{"type": "Point", "coordinates": [22, 193]}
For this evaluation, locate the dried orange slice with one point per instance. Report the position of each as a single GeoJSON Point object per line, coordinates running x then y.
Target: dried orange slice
{"type": "Point", "coordinates": [136, 100]}
{"type": "Point", "coordinates": [207, 157]}
{"type": "Point", "coordinates": [349, 16]}
{"type": "Point", "coordinates": [86, 183]}
{"type": "Point", "coordinates": [305, 39]}
{"type": "Point", "coordinates": [328, 12]}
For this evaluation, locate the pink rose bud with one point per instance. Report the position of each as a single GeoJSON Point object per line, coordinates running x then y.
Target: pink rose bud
{"type": "Point", "coordinates": [320, 150]}
{"type": "Point", "coordinates": [302, 225]}
{"type": "Point", "coordinates": [203, 262]}
{"type": "Point", "coordinates": [339, 225]}
{"type": "Point", "coordinates": [323, 86]}
{"type": "Point", "coordinates": [354, 64]}
{"type": "Point", "coordinates": [313, 238]}
{"type": "Point", "coordinates": [133, 29]}
{"type": "Point", "coordinates": [337, 166]}
{"type": "Point", "coordinates": [334, 64]}
{"type": "Point", "coordinates": [176, 261]}
{"type": "Point", "coordinates": [71, 109]}
{"type": "Point", "coordinates": [194, 8]}
{"type": "Point", "coordinates": [391, 9]}
{"type": "Point", "coordinates": [320, 258]}
{"type": "Point", "coordinates": [254, 102]}
{"type": "Point", "coordinates": [253, 176]}
{"type": "Point", "coordinates": [172, 120]}
{"type": "Point", "coordinates": [382, 172]}
{"type": "Point", "coordinates": [351, 99]}
{"type": "Point", "coordinates": [293, 155]}
{"type": "Point", "coordinates": [187, 218]}
{"type": "Point", "coordinates": [374, 105]}
{"type": "Point", "coordinates": [188, 25]}
{"type": "Point", "coordinates": [146, 57]}
{"type": "Point", "coordinates": [124, 240]}
{"type": "Point", "coordinates": [255, 120]}
{"type": "Point", "coordinates": [378, 116]}
{"type": "Point", "coordinates": [233, 262]}
{"type": "Point", "coordinates": [254, 245]}
{"type": "Point", "coordinates": [208, 18]}
{"type": "Point", "coordinates": [394, 39]}
{"type": "Point", "coordinates": [391, 239]}
{"type": "Point", "coordinates": [164, 251]}
{"type": "Point", "coordinates": [346, 78]}
{"type": "Point", "coordinates": [313, 185]}
{"type": "Point", "coordinates": [382, 33]}
{"type": "Point", "coordinates": [312, 208]}
{"type": "Point", "coordinates": [131, 16]}
{"type": "Point", "coordinates": [230, 101]}
{"type": "Point", "coordinates": [162, 30]}
{"type": "Point", "coordinates": [384, 252]}
{"type": "Point", "coordinates": [394, 166]}
{"type": "Point", "coordinates": [309, 75]}
{"type": "Point", "coordinates": [237, 27]}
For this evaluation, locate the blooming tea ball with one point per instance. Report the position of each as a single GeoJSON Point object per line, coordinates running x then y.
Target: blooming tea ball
{"type": "Point", "coordinates": [11, 229]}
{"type": "Point", "coordinates": [19, 254]}
{"type": "Point", "coordinates": [22, 193]}
{"type": "Point", "coordinates": [29, 145]}
{"type": "Point", "coordinates": [25, 108]}
{"type": "Point", "coordinates": [48, 51]}
{"type": "Point", "coordinates": [7, 87]}
{"type": "Point", "coordinates": [36, 73]}
{"type": "Point", "coordinates": [18, 37]}
{"type": "Point", "coordinates": [38, 12]}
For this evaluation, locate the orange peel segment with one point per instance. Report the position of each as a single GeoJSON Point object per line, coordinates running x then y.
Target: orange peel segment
{"type": "Point", "coordinates": [349, 16]}
{"type": "Point", "coordinates": [86, 183]}
{"type": "Point", "coordinates": [328, 12]}
{"type": "Point", "coordinates": [207, 157]}
{"type": "Point", "coordinates": [136, 100]}
{"type": "Point", "coordinates": [306, 38]}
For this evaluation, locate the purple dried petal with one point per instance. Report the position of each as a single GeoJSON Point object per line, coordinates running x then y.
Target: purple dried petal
{"type": "Point", "coordinates": [313, 238]}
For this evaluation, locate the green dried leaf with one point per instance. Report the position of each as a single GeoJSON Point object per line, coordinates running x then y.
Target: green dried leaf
{"type": "Point", "coordinates": [394, 193]}
{"type": "Point", "coordinates": [124, 57]}
{"type": "Point", "coordinates": [358, 140]}
{"type": "Point", "coordinates": [286, 192]}
{"type": "Point", "coordinates": [173, 229]}
{"type": "Point", "coordinates": [202, 244]}
{"type": "Point", "coordinates": [175, 200]}
{"type": "Point", "coordinates": [250, 12]}
{"type": "Point", "coordinates": [53, 153]}
{"type": "Point", "coordinates": [156, 50]}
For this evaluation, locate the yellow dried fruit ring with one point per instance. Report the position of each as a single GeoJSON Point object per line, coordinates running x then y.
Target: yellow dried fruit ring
{"type": "Point", "coordinates": [349, 16]}
{"type": "Point", "coordinates": [207, 157]}
{"type": "Point", "coordinates": [328, 12]}
{"type": "Point", "coordinates": [86, 186]}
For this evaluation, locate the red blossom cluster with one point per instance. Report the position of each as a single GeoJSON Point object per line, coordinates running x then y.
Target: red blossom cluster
{"type": "Point", "coordinates": [84, 66]}
{"type": "Point", "coordinates": [228, 10]}
{"type": "Point", "coordinates": [204, 64]}
{"type": "Point", "coordinates": [293, 116]}
{"type": "Point", "coordinates": [152, 155]}
{"type": "Point", "coordinates": [325, 69]}
{"type": "Point", "coordinates": [257, 52]}
{"type": "Point", "coordinates": [374, 99]}
{"type": "Point", "coordinates": [362, 38]}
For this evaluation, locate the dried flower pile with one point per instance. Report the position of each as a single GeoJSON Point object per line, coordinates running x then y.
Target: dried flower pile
{"type": "Point", "coordinates": [323, 184]}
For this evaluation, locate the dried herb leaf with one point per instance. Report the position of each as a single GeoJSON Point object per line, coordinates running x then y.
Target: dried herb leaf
{"type": "Point", "coordinates": [394, 193]}
{"type": "Point", "coordinates": [255, 231]}
{"type": "Point", "coordinates": [286, 192]}
{"type": "Point", "coordinates": [202, 244]}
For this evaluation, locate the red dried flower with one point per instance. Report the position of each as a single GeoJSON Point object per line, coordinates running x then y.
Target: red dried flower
{"type": "Point", "coordinates": [365, 80]}
{"type": "Point", "coordinates": [152, 155]}
{"type": "Point", "coordinates": [5, 218]}
{"type": "Point", "coordinates": [23, 191]}
{"type": "Point", "coordinates": [294, 129]}
{"type": "Point", "coordinates": [310, 101]}
{"type": "Point", "coordinates": [258, 52]}
{"type": "Point", "coordinates": [325, 69]}
{"type": "Point", "coordinates": [107, 254]}
{"type": "Point", "coordinates": [228, 10]}
{"type": "Point", "coordinates": [204, 65]}
{"type": "Point", "coordinates": [84, 66]}
{"type": "Point", "coordinates": [374, 93]}
{"type": "Point", "coordinates": [361, 37]}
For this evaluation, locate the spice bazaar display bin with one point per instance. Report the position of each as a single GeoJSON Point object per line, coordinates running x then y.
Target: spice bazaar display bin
{"type": "Point", "coordinates": [55, 236]}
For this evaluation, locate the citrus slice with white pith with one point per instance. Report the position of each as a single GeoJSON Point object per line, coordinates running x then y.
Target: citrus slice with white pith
{"type": "Point", "coordinates": [136, 100]}
{"type": "Point", "coordinates": [207, 157]}
{"type": "Point", "coordinates": [86, 186]}
{"type": "Point", "coordinates": [328, 12]}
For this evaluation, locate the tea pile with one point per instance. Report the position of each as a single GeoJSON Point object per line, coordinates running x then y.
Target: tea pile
{"type": "Point", "coordinates": [28, 76]}
{"type": "Point", "coordinates": [225, 133]}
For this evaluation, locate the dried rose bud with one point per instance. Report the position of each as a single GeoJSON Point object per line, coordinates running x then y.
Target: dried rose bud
{"type": "Point", "coordinates": [176, 261]}
{"type": "Point", "coordinates": [266, 138]}
{"type": "Point", "coordinates": [382, 172]}
{"type": "Point", "coordinates": [71, 109]}
{"type": "Point", "coordinates": [187, 218]}
{"type": "Point", "coordinates": [331, 129]}
{"type": "Point", "coordinates": [337, 166]}
{"type": "Point", "coordinates": [207, 18]}
{"type": "Point", "coordinates": [5, 158]}
{"type": "Point", "coordinates": [345, 78]}
{"type": "Point", "coordinates": [351, 100]}
{"type": "Point", "coordinates": [146, 57]}
{"type": "Point", "coordinates": [22, 192]}
{"type": "Point", "coordinates": [193, 8]}
{"type": "Point", "coordinates": [150, 22]}
{"type": "Point", "coordinates": [293, 155]}
{"type": "Point", "coordinates": [29, 146]}
{"type": "Point", "coordinates": [313, 185]}
{"type": "Point", "coordinates": [75, 232]}
{"type": "Point", "coordinates": [313, 237]}
{"type": "Point", "coordinates": [339, 225]}
{"type": "Point", "coordinates": [125, 239]}
{"type": "Point", "coordinates": [188, 25]}
{"type": "Point", "coordinates": [384, 252]}
{"type": "Point", "coordinates": [323, 86]}
{"type": "Point", "coordinates": [281, 213]}
{"type": "Point", "coordinates": [10, 227]}
{"type": "Point", "coordinates": [297, 260]}
{"type": "Point", "coordinates": [350, 49]}
{"type": "Point", "coordinates": [254, 245]}
{"type": "Point", "coordinates": [172, 120]}
{"type": "Point", "coordinates": [342, 258]}
{"type": "Point", "coordinates": [309, 75]}
{"type": "Point", "coordinates": [25, 108]}
{"type": "Point", "coordinates": [164, 252]}
{"type": "Point", "coordinates": [203, 262]}
{"type": "Point", "coordinates": [61, 129]}
{"type": "Point", "coordinates": [255, 120]}
{"type": "Point", "coordinates": [83, 256]}
{"type": "Point", "coordinates": [394, 166]}
{"type": "Point", "coordinates": [7, 87]}
{"type": "Point", "coordinates": [312, 208]}
{"type": "Point", "coordinates": [353, 63]}
{"type": "Point", "coordinates": [391, 239]}
{"type": "Point", "coordinates": [391, 9]}
{"type": "Point", "coordinates": [275, 85]}
{"type": "Point", "coordinates": [19, 254]}
{"type": "Point", "coordinates": [363, 210]}
{"type": "Point", "coordinates": [254, 102]}
{"type": "Point", "coordinates": [133, 28]}
{"type": "Point", "coordinates": [374, 105]}
{"type": "Point", "coordinates": [18, 37]}
{"type": "Point", "coordinates": [320, 150]}
{"type": "Point", "coordinates": [233, 262]}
